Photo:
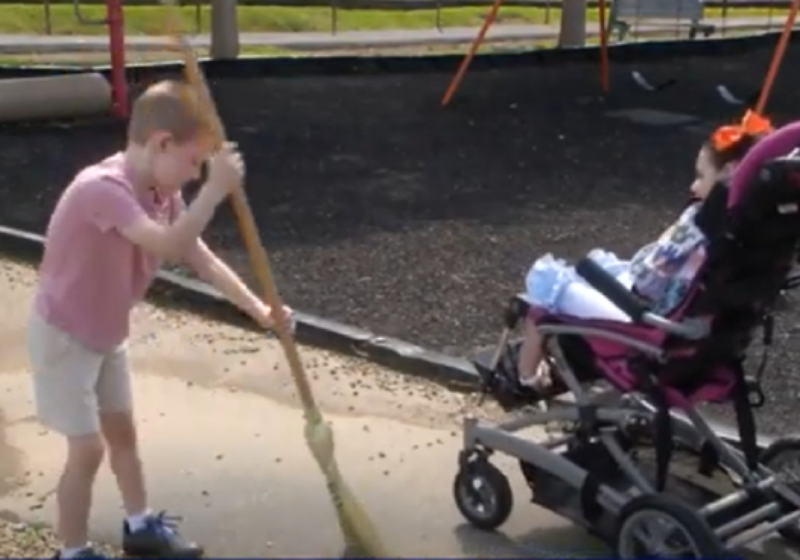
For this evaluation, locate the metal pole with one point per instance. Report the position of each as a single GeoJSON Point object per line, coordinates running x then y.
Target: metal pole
{"type": "Point", "coordinates": [224, 30]}
{"type": "Point", "coordinates": [198, 17]}
{"type": "Point", "coordinates": [116, 46]}
{"type": "Point", "coordinates": [573, 24]}
{"type": "Point", "coordinates": [48, 23]}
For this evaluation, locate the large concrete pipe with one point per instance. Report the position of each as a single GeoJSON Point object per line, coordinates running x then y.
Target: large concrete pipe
{"type": "Point", "coordinates": [224, 30]}
{"type": "Point", "coordinates": [54, 97]}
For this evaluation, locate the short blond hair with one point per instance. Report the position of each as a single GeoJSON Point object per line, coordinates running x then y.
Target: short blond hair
{"type": "Point", "coordinates": [170, 106]}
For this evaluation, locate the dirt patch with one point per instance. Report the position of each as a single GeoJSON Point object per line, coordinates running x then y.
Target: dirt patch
{"type": "Point", "coordinates": [26, 540]}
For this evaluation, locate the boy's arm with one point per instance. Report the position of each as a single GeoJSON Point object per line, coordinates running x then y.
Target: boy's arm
{"type": "Point", "coordinates": [210, 268]}
{"type": "Point", "coordinates": [112, 206]}
{"type": "Point", "coordinates": [169, 242]}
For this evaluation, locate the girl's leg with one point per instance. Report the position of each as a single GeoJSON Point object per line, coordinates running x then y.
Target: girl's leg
{"type": "Point", "coordinates": [531, 372]}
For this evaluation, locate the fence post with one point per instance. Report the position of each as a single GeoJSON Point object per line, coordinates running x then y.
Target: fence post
{"type": "Point", "coordinates": [224, 30]}
{"type": "Point", "coordinates": [334, 17]}
{"type": "Point", "coordinates": [198, 17]}
{"type": "Point", "coordinates": [48, 24]}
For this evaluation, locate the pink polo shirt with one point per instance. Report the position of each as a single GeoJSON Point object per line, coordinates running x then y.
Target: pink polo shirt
{"type": "Point", "coordinates": [91, 276]}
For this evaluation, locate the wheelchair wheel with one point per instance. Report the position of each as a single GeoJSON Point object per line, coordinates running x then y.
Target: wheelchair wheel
{"type": "Point", "coordinates": [483, 494]}
{"type": "Point", "coordinates": [783, 456]}
{"type": "Point", "coordinates": [657, 526]}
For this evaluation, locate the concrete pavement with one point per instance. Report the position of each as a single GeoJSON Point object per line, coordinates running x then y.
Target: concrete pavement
{"type": "Point", "coordinates": [42, 44]}
{"type": "Point", "coordinates": [223, 446]}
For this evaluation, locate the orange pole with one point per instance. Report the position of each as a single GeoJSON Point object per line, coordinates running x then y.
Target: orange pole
{"type": "Point", "coordinates": [462, 69]}
{"type": "Point", "coordinates": [603, 47]}
{"type": "Point", "coordinates": [777, 57]}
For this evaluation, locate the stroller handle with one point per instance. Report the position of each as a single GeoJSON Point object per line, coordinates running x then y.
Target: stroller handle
{"type": "Point", "coordinates": [634, 307]}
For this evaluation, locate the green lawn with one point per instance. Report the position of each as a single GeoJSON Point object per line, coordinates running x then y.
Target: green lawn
{"type": "Point", "coordinates": [148, 20]}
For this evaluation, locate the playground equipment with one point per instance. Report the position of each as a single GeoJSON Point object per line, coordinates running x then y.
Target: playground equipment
{"type": "Point", "coordinates": [76, 94]}
{"type": "Point", "coordinates": [224, 30]}
{"type": "Point", "coordinates": [670, 12]}
{"type": "Point", "coordinates": [70, 95]}
{"type": "Point", "coordinates": [624, 17]}
{"type": "Point", "coordinates": [573, 32]}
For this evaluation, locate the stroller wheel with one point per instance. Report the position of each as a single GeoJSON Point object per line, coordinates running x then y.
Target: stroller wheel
{"type": "Point", "coordinates": [658, 526]}
{"type": "Point", "coordinates": [483, 494]}
{"type": "Point", "coordinates": [782, 457]}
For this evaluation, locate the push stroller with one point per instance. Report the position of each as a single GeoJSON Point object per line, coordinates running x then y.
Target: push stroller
{"type": "Point", "coordinates": [663, 367]}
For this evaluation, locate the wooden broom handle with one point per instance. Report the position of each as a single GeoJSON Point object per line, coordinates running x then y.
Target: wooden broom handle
{"type": "Point", "coordinates": [259, 261]}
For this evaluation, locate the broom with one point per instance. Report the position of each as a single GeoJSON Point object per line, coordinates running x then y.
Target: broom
{"type": "Point", "coordinates": [360, 536]}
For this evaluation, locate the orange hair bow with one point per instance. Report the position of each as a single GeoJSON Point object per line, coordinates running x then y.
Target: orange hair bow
{"type": "Point", "coordinates": [752, 124]}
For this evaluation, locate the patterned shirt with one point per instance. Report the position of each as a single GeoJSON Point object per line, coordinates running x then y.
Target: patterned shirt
{"type": "Point", "coordinates": [663, 271]}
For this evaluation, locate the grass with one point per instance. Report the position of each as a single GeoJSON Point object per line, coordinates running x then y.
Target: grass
{"type": "Point", "coordinates": [94, 59]}
{"type": "Point", "coordinates": [149, 20]}
{"type": "Point", "coordinates": [90, 59]}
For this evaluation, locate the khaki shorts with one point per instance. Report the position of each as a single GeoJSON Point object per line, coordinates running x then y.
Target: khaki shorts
{"type": "Point", "coordinates": [72, 384]}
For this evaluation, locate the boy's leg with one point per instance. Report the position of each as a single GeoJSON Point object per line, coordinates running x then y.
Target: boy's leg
{"type": "Point", "coordinates": [144, 534]}
{"type": "Point", "coordinates": [64, 376]}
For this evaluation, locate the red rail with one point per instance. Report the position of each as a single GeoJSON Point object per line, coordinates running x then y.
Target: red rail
{"type": "Point", "coordinates": [116, 47]}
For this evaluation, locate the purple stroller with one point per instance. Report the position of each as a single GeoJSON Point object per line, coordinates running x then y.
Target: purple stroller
{"type": "Point", "coordinates": [593, 470]}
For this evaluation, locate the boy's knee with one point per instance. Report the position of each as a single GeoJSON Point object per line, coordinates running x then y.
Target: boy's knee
{"type": "Point", "coordinates": [119, 431]}
{"type": "Point", "coordinates": [85, 453]}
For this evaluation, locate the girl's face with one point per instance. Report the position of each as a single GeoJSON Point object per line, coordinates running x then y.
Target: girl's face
{"type": "Point", "coordinates": [707, 174]}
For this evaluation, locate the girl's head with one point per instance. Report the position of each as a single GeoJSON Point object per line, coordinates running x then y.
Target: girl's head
{"type": "Point", "coordinates": [724, 149]}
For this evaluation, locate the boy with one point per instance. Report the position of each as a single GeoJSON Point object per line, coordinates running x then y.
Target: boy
{"type": "Point", "coordinates": [111, 229]}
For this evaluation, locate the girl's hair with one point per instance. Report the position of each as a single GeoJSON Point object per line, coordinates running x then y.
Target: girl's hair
{"type": "Point", "coordinates": [730, 143]}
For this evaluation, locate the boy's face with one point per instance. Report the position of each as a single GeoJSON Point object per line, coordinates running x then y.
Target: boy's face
{"type": "Point", "coordinates": [174, 164]}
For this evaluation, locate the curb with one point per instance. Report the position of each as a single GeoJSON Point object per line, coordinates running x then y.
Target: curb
{"type": "Point", "coordinates": [259, 67]}
{"type": "Point", "coordinates": [174, 290]}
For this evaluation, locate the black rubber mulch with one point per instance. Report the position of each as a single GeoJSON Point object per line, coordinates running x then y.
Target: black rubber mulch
{"type": "Point", "coordinates": [383, 210]}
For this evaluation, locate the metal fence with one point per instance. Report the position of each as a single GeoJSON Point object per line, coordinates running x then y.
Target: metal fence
{"type": "Point", "coordinates": [395, 5]}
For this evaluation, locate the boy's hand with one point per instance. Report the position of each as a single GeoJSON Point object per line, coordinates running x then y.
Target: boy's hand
{"type": "Point", "coordinates": [266, 320]}
{"type": "Point", "coordinates": [226, 170]}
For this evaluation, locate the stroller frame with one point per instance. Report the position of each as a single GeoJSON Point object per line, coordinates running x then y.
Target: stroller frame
{"type": "Point", "coordinates": [589, 474]}
{"type": "Point", "coordinates": [770, 504]}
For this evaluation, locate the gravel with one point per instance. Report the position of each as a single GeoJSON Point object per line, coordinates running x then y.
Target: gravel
{"type": "Point", "coordinates": [23, 540]}
{"type": "Point", "coordinates": [383, 210]}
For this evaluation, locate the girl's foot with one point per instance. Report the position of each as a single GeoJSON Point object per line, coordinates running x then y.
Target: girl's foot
{"type": "Point", "coordinates": [540, 381]}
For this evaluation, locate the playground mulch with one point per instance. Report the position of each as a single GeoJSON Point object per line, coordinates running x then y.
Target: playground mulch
{"type": "Point", "coordinates": [384, 210]}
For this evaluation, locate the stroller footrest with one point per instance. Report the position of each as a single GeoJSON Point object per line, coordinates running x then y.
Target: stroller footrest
{"type": "Point", "coordinates": [748, 520]}
{"type": "Point", "coordinates": [743, 539]}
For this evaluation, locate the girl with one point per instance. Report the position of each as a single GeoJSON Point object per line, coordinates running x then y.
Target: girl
{"type": "Point", "coordinates": [660, 272]}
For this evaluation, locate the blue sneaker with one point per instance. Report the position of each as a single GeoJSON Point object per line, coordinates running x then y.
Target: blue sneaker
{"type": "Point", "coordinates": [158, 539]}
